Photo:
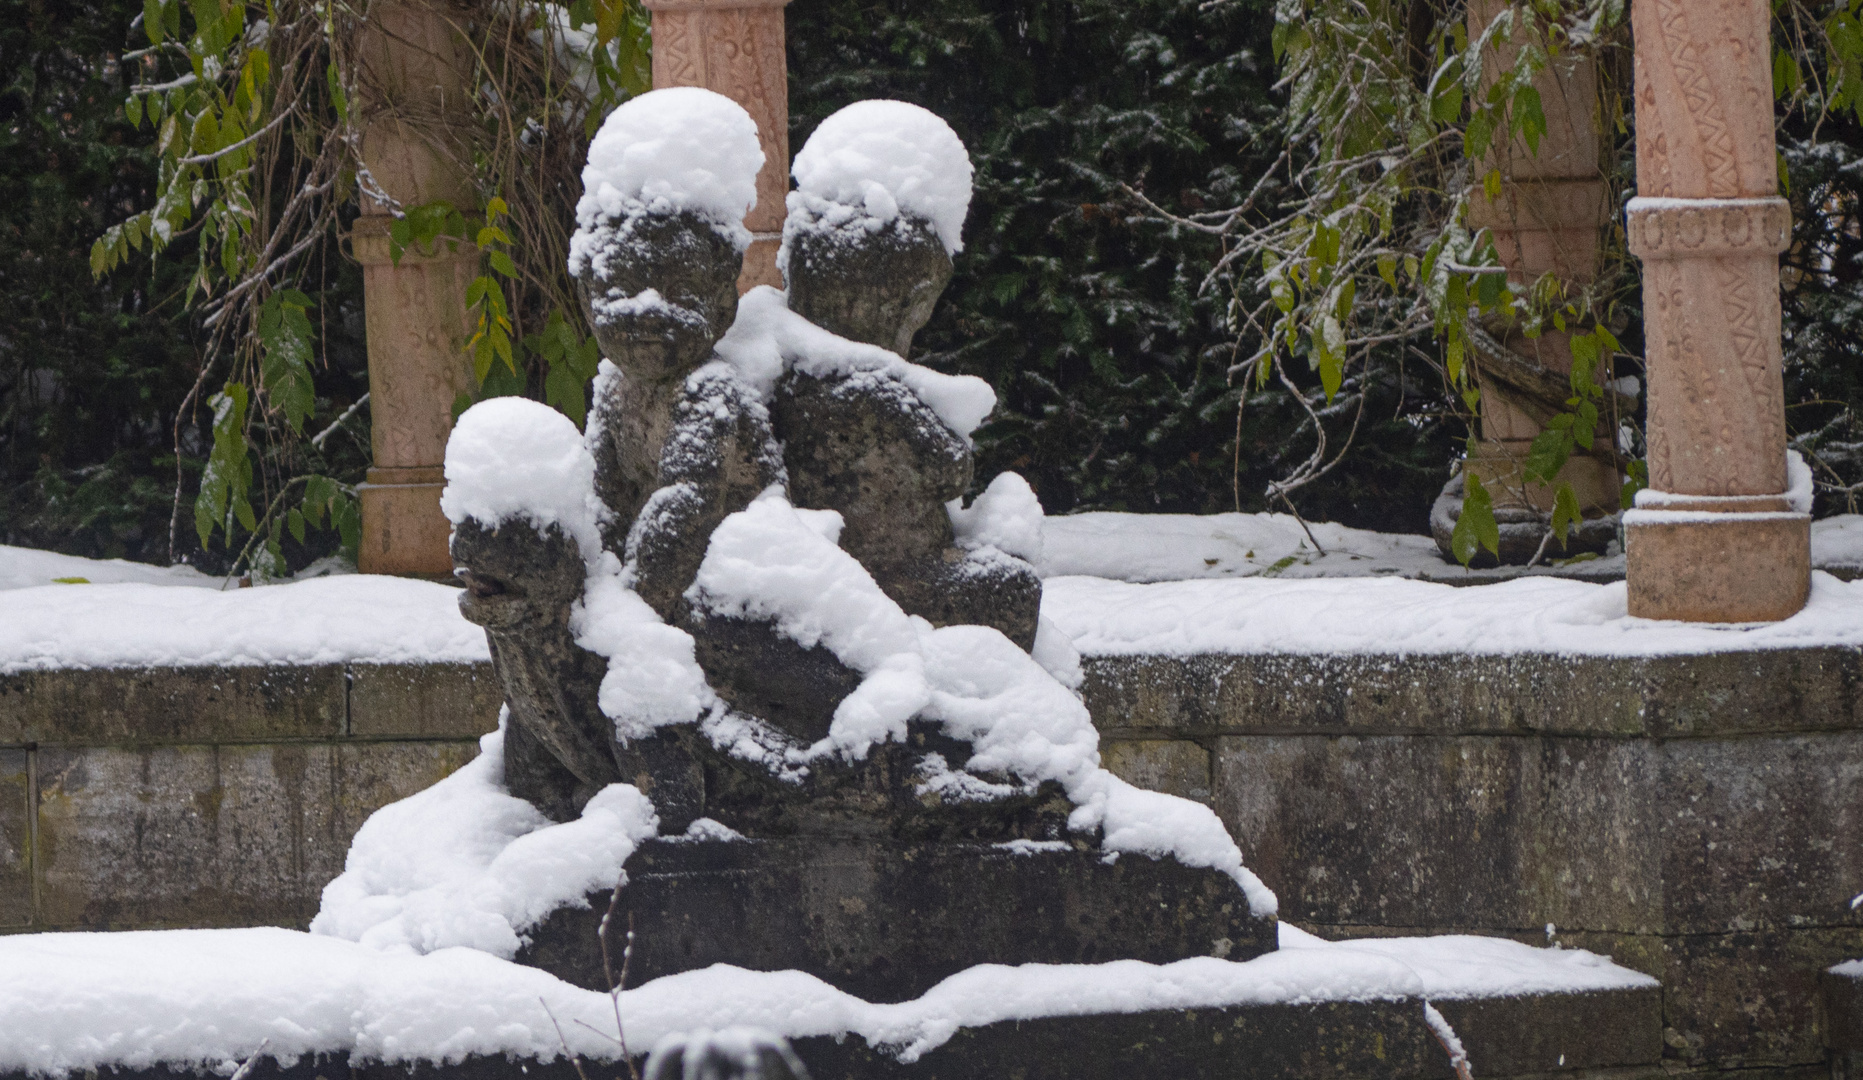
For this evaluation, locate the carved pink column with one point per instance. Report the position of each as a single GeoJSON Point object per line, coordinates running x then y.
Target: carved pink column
{"type": "Point", "coordinates": [1715, 539]}
{"type": "Point", "coordinates": [412, 87]}
{"type": "Point", "coordinates": [736, 48]}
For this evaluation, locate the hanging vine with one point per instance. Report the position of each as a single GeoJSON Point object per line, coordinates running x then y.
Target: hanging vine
{"type": "Point", "coordinates": [253, 109]}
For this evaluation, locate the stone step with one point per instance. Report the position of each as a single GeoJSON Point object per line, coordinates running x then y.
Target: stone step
{"type": "Point", "coordinates": [1543, 1036]}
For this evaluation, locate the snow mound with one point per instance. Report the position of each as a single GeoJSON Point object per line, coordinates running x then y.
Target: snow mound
{"type": "Point", "coordinates": [771, 561]}
{"type": "Point", "coordinates": [767, 336]}
{"type": "Point", "coordinates": [653, 677]}
{"type": "Point", "coordinates": [666, 151]}
{"type": "Point", "coordinates": [511, 457]}
{"type": "Point", "coordinates": [1007, 517]}
{"type": "Point", "coordinates": [877, 161]}
{"type": "Point", "coordinates": [465, 864]}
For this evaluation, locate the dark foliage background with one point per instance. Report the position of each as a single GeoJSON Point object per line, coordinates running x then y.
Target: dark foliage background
{"type": "Point", "coordinates": [1088, 320]}
{"type": "Point", "coordinates": [92, 373]}
{"type": "Point", "coordinates": [1109, 364]}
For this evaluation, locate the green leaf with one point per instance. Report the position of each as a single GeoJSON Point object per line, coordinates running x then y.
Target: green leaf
{"type": "Point", "coordinates": [1475, 527]}
{"type": "Point", "coordinates": [285, 369]}
{"type": "Point", "coordinates": [1551, 449]}
{"type": "Point", "coordinates": [1566, 514]}
{"type": "Point", "coordinates": [295, 522]}
{"type": "Point", "coordinates": [132, 108]}
{"type": "Point", "coordinates": [1387, 269]}
{"type": "Point", "coordinates": [1332, 358]}
{"type": "Point", "coordinates": [153, 24]}
{"type": "Point", "coordinates": [563, 391]}
{"type": "Point", "coordinates": [502, 263]}
{"type": "Point", "coordinates": [228, 475]}
{"type": "Point", "coordinates": [1639, 479]}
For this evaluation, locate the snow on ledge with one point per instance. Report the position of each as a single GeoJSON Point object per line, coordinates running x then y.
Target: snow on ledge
{"type": "Point", "coordinates": [1386, 616]}
{"type": "Point", "coordinates": [132, 999]}
{"type": "Point", "coordinates": [360, 618]}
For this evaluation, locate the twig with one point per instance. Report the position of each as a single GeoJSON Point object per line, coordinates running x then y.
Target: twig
{"type": "Point", "coordinates": [608, 970]}
{"type": "Point", "coordinates": [574, 1059]}
{"type": "Point", "coordinates": [246, 1066]}
{"type": "Point", "coordinates": [317, 440]}
{"type": "Point", "coordinates": [1452, 1044]}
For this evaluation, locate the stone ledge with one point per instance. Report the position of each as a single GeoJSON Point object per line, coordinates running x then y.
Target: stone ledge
{"type": "Point", "coordinates": [251, 704]}
{"type": "Point", "coordinates": [1768, 691]}
{"type": "Point", "coordinates": [1551, 1035]}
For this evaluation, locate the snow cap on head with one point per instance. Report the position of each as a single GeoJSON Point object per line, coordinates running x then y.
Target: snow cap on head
{"type": "Point", "coordinates": [682, 148]}
{"type": "Point", "coordinates": [877, 160]}
{"type": "Point", "coordinates": [511, 457]}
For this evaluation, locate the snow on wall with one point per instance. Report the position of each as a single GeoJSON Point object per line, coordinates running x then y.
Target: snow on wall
{"type": "Point", "coordinates": [676, 149]}
{"type": "Point", "coordinates": [872, 164]}
{"type": "Point", "coordinates": [771, 561]}
{"type": "Point", "coordinates": [81, 1001]}
{"type": "Point", "coordinates": [767, 335]}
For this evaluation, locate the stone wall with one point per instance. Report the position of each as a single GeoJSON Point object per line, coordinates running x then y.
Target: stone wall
{"type": "Point", "coordinates": [211, 796]}
{"type": "Point", "coordinates": [1697, 818]}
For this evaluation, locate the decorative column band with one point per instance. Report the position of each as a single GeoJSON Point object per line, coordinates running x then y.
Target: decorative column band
{"type": "Point", "coordinates": [1665, 230]}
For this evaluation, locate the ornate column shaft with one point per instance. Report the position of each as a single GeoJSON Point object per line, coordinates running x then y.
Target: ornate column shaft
{"type": "Point", "coordinates": [1714, 539]}
{"type": "Point", "coordinates": [735, 47]}
{"type": "Point", "coordinates": [1552, 207]}
{"type": "Point", "coordinates": [412, 87]}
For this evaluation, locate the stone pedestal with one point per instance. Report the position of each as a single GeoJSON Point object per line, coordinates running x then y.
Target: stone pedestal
{"type": "Point", "coordinates": [735, 47]}
{"type": "Point", "coordinates": [413, 100]}
{"type": "Point", "coordinates": [1552, 206]}
{"type": "Point", "coordinates": [1715, 539]}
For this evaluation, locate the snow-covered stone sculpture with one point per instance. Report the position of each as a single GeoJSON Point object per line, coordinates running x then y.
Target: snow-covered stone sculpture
{"type": "Point", "coordinates": [753, 593]}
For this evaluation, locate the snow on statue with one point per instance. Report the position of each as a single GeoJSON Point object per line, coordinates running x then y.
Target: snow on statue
{"type": "Point", "coordinates": [753, 599]}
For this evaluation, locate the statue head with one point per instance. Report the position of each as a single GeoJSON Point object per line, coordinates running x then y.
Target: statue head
{"type": "Point", "coordinates": [882, 188]}
{"type": "Point", "coordinates": [660, 234]}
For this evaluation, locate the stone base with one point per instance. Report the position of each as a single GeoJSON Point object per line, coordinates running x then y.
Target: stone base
{"type": "Point", "coordinates": [1538, 1035]}
{"type": "Point", "coordinates": [403, 530]}
{"type": "Point", "coordinates": [1732, 569]}
{"type": "Point", "coordinates": [886, 920]}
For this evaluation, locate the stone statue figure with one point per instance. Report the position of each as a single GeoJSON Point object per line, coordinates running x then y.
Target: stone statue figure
{"type": "Point", "coordinates": [681, 441]}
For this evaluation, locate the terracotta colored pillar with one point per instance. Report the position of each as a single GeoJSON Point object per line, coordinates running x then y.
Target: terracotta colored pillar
{"type": "Point", "coordinates": [412, 86]}
{"type": "Point", "coordinates": [736, 48]}
{"type": "Point", "coordinates": [1715, 539]}
{"type": "Point", "coordinates": [1552, 207]}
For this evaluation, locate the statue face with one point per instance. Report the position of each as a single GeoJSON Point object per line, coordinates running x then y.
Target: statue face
{"type": "Point", "coordinates": [661, 289]}
{"type": "Point", "coordinates": [514, 575]}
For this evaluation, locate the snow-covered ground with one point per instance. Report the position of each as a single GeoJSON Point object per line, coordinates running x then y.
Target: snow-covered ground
{"type": "Point", "coordinates": [80, 1001]}
{"type": "Point", "coordinates": [1209, 586]}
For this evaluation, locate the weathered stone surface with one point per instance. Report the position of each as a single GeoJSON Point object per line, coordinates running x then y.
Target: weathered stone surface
{"type": "Point", "coordinates": [1735, 693]}
{"type": "Point", "coordinates": [15, 838]}
{"type": "Point", "coordinates": [694, 270]}
{"type": "Point", "coordinates": [863, 444]}
{"type": "Point", "coordinates": [423, 701]}
{"type": "Point", "coordinates": [719, 455]}
{"type": "Point", "coordinates": [172, 704]}
{"type": "Point", "coordinates": [888, 921]}
{"type": "Point", "coordinates": [206, 835]}
{"type": "Point", "coordinates": [177, 835]}
{"type": "Point", "coordinates": [1843, 1010]}
{"type": "Point", "coordinates": [1174, 766]}
{"type": "Point", "coordinates": [879, 288]}
{"type": "Point", "coordinates": [521, 583]}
